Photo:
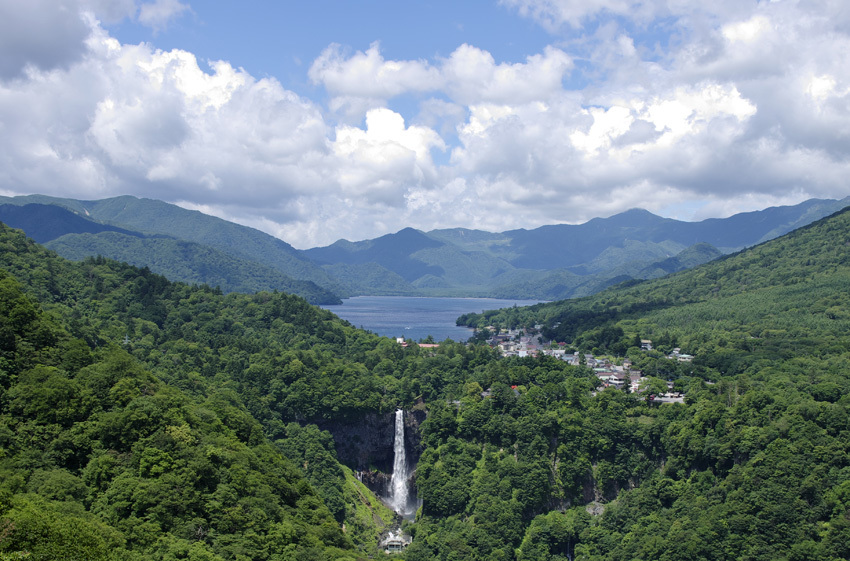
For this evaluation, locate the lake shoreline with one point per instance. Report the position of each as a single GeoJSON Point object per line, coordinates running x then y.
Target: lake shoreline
{"type": "Point", "coordinates": [417, 317]}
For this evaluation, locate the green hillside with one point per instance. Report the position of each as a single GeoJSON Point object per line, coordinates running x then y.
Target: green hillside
{"type": "Point", "coordinates": [617, 268]}
{"type": "Point", "coordinates": [145, 419]}
{"type": "Point", "coordinates": [188, 262]}
{"type": "Point", "coordinates": [76, 236]}
{"type": "Point", "coordinates": [100, 458]}
{"type": "Point", "coordinates": [687, 259]}
{"type": "Point", "coordinates": [741, 469]}
{"type": "Point", "coordinates": [148, 216]}
{"type": "Point", "coordinates": [787, 292]}
{"type": "Point", "coordinates": [370, 278]}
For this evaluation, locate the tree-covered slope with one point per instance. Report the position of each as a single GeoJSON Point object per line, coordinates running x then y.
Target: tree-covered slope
{"type": "Point", "coordinates": [782, 297]}
{"type": "Point", "coordinates": [75, 236]}
{"type": "Point", "coordinates": [102, 459]}
{"type": "Point", "coordinates": [554, 285]}
{"type": "Point", "coordinates": [521, 263]}
{"type": "Point", "coordinates": [755, 464]}
{"type": "Point", "coordinates": [687, 259]}
{"type": "Point", "coordinates": [46, 222]}
{"type": "Point", "coordinates": [256, 362]}
{"type": "Point", "coordinates": [581, 243]}
{"type": "Point", "coordinates": [150, 216]}
{"type": "Point", "coordinates": [393, 252]}
{"type": "Point", "coordinates": [188, 262]}
{"type": "Point", "coordinates": [519, 459]}
{"type": "Point", "coordinates": [370, 278]}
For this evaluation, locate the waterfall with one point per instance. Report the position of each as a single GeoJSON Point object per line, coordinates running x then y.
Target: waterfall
{"type": "Point", "coordinates": [399, 491]}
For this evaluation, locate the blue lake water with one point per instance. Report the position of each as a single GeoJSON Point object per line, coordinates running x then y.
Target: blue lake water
{"type": "Point", "coordinates": [416, 318]}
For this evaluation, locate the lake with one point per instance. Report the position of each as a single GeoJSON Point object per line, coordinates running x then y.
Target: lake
{"type": "Point", "coordinates": [414, 317]}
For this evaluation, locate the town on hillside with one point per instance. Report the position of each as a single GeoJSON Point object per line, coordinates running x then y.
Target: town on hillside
{"type": "Point", "coordinates": [619, 374]}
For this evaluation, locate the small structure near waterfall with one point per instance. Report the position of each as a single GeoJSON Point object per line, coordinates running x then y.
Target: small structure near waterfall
{"type": "Point", "coordinates": [399, 492]}
{"type": "Point", "coordinates": [395, 543]}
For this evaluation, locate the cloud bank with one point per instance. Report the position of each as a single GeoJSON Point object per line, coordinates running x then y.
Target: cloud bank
{"type": "Point", "coordinates": [653, 104]}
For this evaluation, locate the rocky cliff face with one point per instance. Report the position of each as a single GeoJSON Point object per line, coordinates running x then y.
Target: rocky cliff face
{"type": "Point", "coordinates": [366, 445]}
{"type": "Point", "coordinates": [413, 435]}
{"type": "Point", "coordinates": [378, 482]}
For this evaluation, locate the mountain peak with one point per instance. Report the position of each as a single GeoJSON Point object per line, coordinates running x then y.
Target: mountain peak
{"type": "Point", "coordinates": [637, 217]}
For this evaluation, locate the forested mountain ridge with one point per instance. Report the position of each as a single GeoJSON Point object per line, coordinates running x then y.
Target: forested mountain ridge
{"type": "Point", "coordinates": [46, 222]}
{"type": "Point", "coordinates": [521, 459]}
{"type": "Point", "coordinates": [102, 459]}
{"type": "Point", "coordinates": [766, 295]}
{"type": "Point", "coordinates": [227, 245]}
{"type": "Point", "coordinates": [188, 262]}
{"type": "Point", "coordinates": [548, 263]}
{"type": "Point", "coordinates": [741, 470]}
{"type": "Point", "coordinates": [256, 362]}
{"type": "Point", "coordinates": [745, 229]}
{"type": "Point", "coordinates": [558, 261]}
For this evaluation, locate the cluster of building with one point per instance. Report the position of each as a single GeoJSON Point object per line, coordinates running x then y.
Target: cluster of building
{"type": "Point", "coordinates": [528, 343]}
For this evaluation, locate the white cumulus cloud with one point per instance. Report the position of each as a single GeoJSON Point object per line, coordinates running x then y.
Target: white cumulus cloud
{"type": "Point", "coordinates": [659, 104]}
{"type": "Point", "coordinates": [469, 75]}
{"type": "Point", "coordinates": [379, 163]}
{"type": "Point", "coordinates": [369, 75]}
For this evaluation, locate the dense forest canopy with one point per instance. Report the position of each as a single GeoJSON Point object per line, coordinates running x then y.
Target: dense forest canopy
{"type": "Point", "coordinates": [180, 244]}
{"type": "Point", "coordinates": [145, 419]}
{"type": "Point", "coordinates": [786, 293]}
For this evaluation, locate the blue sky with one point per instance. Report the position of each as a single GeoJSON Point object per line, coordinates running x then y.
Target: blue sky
{"type": "Point", "coordinates": [281, 39]}
{"type": "Point", "coordinates": [315, 121]}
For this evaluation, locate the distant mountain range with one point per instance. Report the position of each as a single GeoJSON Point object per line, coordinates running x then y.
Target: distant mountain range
{"type": "Point", "coordinates": [183, 245]}
{"type": "Point", "coordinates": [550, 263]}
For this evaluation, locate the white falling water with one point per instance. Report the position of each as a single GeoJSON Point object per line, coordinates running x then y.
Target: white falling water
{"type": "Point", "coordinates": [398, 498]}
